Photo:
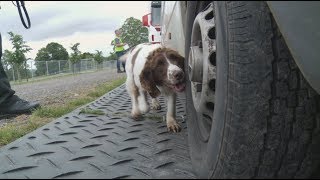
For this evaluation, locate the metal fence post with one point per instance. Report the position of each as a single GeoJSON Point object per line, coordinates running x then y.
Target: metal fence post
{"type": "Point", "coordinates": [14, 78]}
{"type": "Point", "coordinates": [31, 70]}
{"type": "Point", "coordinates": [59, 66]}
{"type": "Point", "coordinates": [47, 68]}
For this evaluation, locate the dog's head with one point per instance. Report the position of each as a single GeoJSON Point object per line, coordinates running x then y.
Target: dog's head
{"type": "Point", "coordinates": [164, 67]}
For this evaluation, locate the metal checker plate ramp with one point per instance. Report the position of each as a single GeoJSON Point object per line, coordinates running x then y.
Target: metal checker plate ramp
{"type": "Point", "coordinates": [108, 146]}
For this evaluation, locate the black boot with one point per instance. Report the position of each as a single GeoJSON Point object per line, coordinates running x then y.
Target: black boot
{"type": "Point", "coordinates": [16, 106]}
{"type": "Point", "coordinates": [124, 67]}
{"type": "Point", "coordinates": [10, 104]}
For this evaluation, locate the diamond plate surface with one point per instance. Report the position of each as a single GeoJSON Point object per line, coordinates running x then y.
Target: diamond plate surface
{"type": "Point", "coordinates": [82, 146]}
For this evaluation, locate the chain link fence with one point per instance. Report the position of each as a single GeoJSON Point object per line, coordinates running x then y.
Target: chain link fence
{"type": "Point", "coordinates": [42, 69]}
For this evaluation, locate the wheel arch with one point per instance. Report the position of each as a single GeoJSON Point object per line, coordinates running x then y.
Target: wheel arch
{"type": "Point", "coordinates": [299, 24]}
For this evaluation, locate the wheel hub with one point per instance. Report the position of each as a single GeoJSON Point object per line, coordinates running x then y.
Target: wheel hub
{"type": "Point", "coordinates": [202, 68]}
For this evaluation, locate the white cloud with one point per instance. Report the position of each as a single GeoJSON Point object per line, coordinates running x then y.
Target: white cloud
{"type": "Point", "coordinates": [91, 23]}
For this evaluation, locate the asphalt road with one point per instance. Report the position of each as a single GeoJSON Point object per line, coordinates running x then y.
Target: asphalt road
{"type": "Point", "coordinates": [58, 90]}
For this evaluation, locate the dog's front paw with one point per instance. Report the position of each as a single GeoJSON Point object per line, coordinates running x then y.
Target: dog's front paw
{"type": "Point", "coordinates": [136, 116]}
{"type": "Point", "coordinates": [173, 126]}
{"type": "Point", "coordinates": [155, 105]}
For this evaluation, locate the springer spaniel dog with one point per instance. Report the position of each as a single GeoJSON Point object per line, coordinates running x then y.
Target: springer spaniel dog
{"type": "Point", "coordinates": [153, 69]}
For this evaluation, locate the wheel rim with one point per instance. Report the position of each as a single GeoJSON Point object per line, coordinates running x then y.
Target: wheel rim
{"type": "Point", "coordinates": [202, 69]}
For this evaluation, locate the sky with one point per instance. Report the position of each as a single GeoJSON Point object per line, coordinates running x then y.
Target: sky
{"type": "Point", "coordinates": [91, 23]}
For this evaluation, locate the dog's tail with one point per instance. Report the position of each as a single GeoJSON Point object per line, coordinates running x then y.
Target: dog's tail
{"type": "Point", "coordinates": [124, 57]}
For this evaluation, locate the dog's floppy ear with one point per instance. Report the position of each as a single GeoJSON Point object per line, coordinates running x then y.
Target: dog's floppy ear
{"type": "Point", "coordinates": [148, 83]}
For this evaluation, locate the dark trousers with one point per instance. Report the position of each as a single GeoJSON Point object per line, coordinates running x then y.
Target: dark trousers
{"type": "Point", "coordinates": [5, 88]}
{"type": "Point", "coordinates": [120, 53]}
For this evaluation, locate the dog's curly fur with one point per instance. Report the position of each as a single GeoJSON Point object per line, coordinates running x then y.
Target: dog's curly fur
{"type": "Point", "coordinates": [154, 70]}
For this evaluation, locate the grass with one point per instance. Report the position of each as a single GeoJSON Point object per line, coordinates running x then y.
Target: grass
{"type": "Point", "coordinates": [44, 115]}
{"type": "Point", "coordinates": [13, 131]}
{"type": "Point", "coordinates": [92, 111]}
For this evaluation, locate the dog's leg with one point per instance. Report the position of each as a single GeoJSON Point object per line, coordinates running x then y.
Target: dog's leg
{"type": "Point", "coordinates": [143, 102]}
{"type": "Point", "coordinates": [155, 104]}
{"type": "Point", "coordinates": [172, 124]}
{"type": "Point", "coordinates": [134, 93]}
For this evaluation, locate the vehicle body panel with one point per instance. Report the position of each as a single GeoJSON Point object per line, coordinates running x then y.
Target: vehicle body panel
{"type": "Point", "coordinates": [298, 22]}
{"type": "Point", "coordinates": [172, 22]}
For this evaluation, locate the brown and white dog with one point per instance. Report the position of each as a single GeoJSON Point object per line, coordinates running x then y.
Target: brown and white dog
{"type": "Point", "coordinates": [153, 69]}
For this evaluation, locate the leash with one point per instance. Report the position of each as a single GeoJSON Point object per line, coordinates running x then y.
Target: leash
{"type": "Point", "coordinates": [21, 18]}
{"type": "Point", "coordinates": [25, 13]}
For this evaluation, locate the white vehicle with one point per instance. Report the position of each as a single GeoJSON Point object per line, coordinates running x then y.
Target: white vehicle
{"type": "Point", "coordinates": [152, 22]}
{"type": "Point", "coordinates": [253, 79]}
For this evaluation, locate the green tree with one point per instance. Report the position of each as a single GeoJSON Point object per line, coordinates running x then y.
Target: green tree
{"type": "Point", "coordinates": [41, 57]}
{"type": "Point", "coordinates": [57, 51]}
{"type": "Point", "coordinates": [98, 57]}
{"type": "Point", "coordinates": [133, 32]}
{"type": "Point", "coordinates": [86, 55]}
{"type": "Point", "coordinates": [112, 56]}
{"type": "Point", "coordinates": [53, 51]}
{"type": "Point", "coordinates": [6, 59]}
{"type": "Point", "coordinates": [75, 55]}
{"type": "Point", "coordinates": [17, 57]}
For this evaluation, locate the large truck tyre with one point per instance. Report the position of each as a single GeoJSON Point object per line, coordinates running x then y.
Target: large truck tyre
{"type": "Point", "coordinates": [251, 113]}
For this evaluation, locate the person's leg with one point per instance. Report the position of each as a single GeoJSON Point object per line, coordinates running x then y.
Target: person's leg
{"type": "Point", "coordinates": [118, 63]}
{"type": "Point", "coordinates": [5, 88]}
{"type": "Point", "coordinates": [10, 104]}
{"type": "Point", "coordinates": [123, 63]}
{"type": "Point", "coordinates": [124, 66]}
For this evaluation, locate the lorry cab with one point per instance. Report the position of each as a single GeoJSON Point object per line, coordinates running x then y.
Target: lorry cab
{"type": "Point", "coordinates": [152, 22]}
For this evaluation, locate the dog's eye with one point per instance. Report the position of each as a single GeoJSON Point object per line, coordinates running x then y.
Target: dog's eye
{"type": "Point", "coordinates": [160, 62]}
{"type": "Point", "coordinates": [172, 56]}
